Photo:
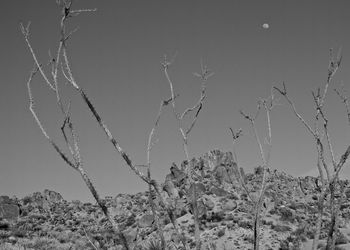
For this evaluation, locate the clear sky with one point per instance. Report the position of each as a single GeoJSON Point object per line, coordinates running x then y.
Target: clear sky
{"type": "Point", "coordinates": [116, 57]}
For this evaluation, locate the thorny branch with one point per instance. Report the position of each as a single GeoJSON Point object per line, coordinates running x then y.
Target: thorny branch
{"type": "Point", "coordinates": [268, 105]}
{"type": "Point", "coordinates": [74, 149]}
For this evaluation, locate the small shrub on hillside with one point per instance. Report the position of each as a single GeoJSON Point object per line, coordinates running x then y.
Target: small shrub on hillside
{"type": "Point", "coordinates": [291, 243]}
{"type": "Point", "coordinates": [286, 214]}
{"type": "Point", "coordinates": [245, 224]}
{"type": "Point", "coordinates": [4, 225]}
{"type": "Point", "coordinates": [154, 245]}
{"type": "Point", "coordinates": [303, 233]}
{"type": "Point", "coordinates": [336, 248]}
{"type": "Point", "coordinates": [341, 239]}
{"type": "Point", "coordinates": [249, 238]}
{"type": "Point", "coordinates": [281, 228]}
{"type": "Point", "coordinates": [45, 244]}
{"type": "Point", "coordinates": [19, 233]}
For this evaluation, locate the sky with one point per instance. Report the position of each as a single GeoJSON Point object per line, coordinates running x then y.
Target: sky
{"type": "Point", "coordinates": [115, 56]}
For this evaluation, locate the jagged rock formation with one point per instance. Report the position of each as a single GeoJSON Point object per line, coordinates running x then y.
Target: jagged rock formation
{"type": "Point", "coordinates": [226, 214]}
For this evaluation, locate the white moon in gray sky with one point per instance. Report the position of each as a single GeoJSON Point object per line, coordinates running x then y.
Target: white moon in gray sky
{"type": "Point", "coordinates": [266, 26]}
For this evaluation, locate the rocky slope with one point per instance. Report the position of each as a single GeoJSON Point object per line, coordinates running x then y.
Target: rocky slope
{"type": "Point", "coordinates": [47, 221]}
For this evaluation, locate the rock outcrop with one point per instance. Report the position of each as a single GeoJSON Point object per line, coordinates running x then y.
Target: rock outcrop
{"type": "Point", "coordinates": [9, 210]}
{"type": "Point", "coordinates": [44, 220]}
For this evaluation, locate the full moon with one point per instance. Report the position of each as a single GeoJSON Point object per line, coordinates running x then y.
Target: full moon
{"type": "Point", "coordinates": [266, 26]}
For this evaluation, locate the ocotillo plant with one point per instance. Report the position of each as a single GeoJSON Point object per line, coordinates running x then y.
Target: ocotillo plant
{"type": "Point", "coordinates": [267, 105]}
{"type": "Point", "coordinates": [324, 145]}
{"type": "Point", "coordinates": [71, 140]}
{"type": "Point", "coordinates": [204, 76]}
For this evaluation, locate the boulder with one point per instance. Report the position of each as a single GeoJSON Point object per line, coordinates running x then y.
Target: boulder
{"type": "Point", "coordinates": [225, 173]}
{"type": "Point", "coordinates": [202, 209]}
{"type": "Point", "coordinates": [218, 191]}
{"type": "Point", "coordinates": [229, 205]}
{"type": "Point", "coordinates": [200, 189]}
{"type": "Point", "coordinates": [169, 187]}
{"type": "Point", "coordinates": [146, 220]}
{"type": "Point", "coordinates": [130, 234]}
{"type": "Point", "coordinates": [179, 175]}
{"type": "Point", "coordinates": [176, 175]}
{"type": "Point", "coordinates": [9, 210]}
{"type": "Point", "coordinates": [209, 203]}
{"type": "Point", "coordinates": [5, 199]}
{"type": "Point", "coordinates": [52, 196]}
{"type": "Point", "coordinates": [220, 173]}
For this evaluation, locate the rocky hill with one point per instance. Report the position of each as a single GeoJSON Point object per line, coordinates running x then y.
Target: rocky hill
{"type": "Point", "coordinates": [46, 221]}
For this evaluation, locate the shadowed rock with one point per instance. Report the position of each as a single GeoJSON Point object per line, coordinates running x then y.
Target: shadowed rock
{"type": "Point", "coordinates": [176, 175]}
{"type": "Point", "coordinates": [169, 187]}
{"type": "Point", "coordinates": [9, 210]}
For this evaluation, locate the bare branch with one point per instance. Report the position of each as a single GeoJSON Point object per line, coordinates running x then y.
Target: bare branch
{"type": "Point", "coordinates": [319, 110]}
{"type": "Point", "coordinates": [71, 33]}
{"type": "Point", "coordinates": [111, 138]}
{"type": "Point", "coordinates": [32, 110]}
{"type": "Point", "coordinates": [194, 119]}
{"type": "Point", "coordinates": [77, 12]}
{"type": "Point", "coordinates": [65, 123]}
{"type": "Point", "coordinates": [343, 97]}
{"type": "Point", "coordinates": [342, 161]}
{"type": "Point", "coordinates": [25, 32]}
{"type": "Point", "coordinates": [188, 110]}
{"type": "Point", "coordinates": [166, 64]}
{"type": "Point", "coordinates": [246, 116]}
{"type": "Point", "coordinates": [235, 136]}
{"type": "Point", "coordinates": [320, 201]}
{"type": "Point", "coordinates": [291, 103]}
{"type": "Point", "coordinates": [152, 133]}
{"type": "Point", "coordinates": [89, 238]}
{"type": "Point", "coordinates": [333, 66]}
{"type": "Point", "coordinates": [151, 143]}
{"type": "Point", "coordinates": [69, 77]}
